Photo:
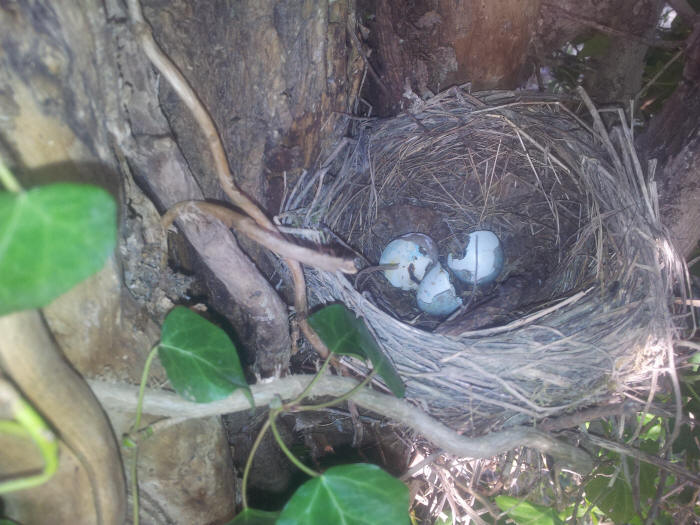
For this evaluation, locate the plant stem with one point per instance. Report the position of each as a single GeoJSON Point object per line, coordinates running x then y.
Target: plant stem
{"type": "Point", "coordinates": [29, 424]}
{"type": "Point", "coordinates": [249, 462]}
{"type": "Point", "coordinates": [135, 486]}
{"type": "Point", "coordinates": [306, 470]}
{"type": "Point", "coordinates": [338, 399]}
{"type": "Point", "coordinates": [134, 430]}
{"type": "Point", "coordinates": [8, 179]}
{"type": "Point", "coordinates": [142, 387]}
{"type": "Point", "coordinates": [306, 390]}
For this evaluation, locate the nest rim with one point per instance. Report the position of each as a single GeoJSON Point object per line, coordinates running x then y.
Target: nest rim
{"type": "Point", "coordinates": [484, 379]}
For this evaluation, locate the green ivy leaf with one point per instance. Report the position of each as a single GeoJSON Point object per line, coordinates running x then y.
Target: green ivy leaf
{"type": "Point", "coordinates": [345, 334]}
{"type": "Point", "coordinates": [199, 358]}
{"type": "Point", "coordinates": [525, 513]}
{"type": "Point", "coordinates": [359, 494]}
{"type": "Point", "coordinates": [654, 433]}
{"type": "Point", "coordinates": [255, 517]}
{"type": "Point", "coordinates": [616, 501]}
{"type": "Point", "coordinates": [51, 238]}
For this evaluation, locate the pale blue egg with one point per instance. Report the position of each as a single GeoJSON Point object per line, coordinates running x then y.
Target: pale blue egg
{"type": "Point", "coordinates": [436, 294]}
{"type": "Point", "coordinates": [414, 253]}
{"type": "Point", "coordinates": [482, 260]}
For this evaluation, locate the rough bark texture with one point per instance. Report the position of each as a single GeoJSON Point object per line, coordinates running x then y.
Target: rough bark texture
{"type": "Point", "coordinates": [673, 138]}
{"type": "Point", "coordinates": [272, 73]}
{"type": "Point", "coordinates": [430, 45]}
{"type": "Point", "coordinates": [616, 74]}
{"type": "Point", "coordinates": [77, 93]}
{"type": "Point", "coordinates": [59, 95]}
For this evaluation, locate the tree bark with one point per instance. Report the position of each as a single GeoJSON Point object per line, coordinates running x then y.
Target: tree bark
{"type": "Point", "coordinates": [77, 93]}
{"type": "Point", "coordinates": [673, 138]}
{"type": "Point", "coordinates": [432, 45]}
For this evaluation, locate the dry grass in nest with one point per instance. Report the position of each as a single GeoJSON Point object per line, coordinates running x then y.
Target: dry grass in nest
{"type": "Point", "coordinates": [577, 215]}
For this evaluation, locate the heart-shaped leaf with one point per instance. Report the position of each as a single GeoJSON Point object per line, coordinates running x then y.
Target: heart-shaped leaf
{"type": "Point", "coordinates": [525, 513]}
{"type": "Point", "coordinates": [359, 494]}
{"type": "Point", "coordinates": [51, 238]}
{"type": "Point", "coordinates": [345, 334]}
{"type": "Point", "coordinates": [255, 517]}
{"type": "Point", "coordinates": [199, 358]}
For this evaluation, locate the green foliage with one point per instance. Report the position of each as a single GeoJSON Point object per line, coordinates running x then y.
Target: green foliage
{"type": "Point", "coordinates": [51, 238]}
{"type": "Point", "coordinates": [687, 443]}
{"type": "Point", "coordinates": [199, 358]}
{"type": "Point", "coordinates": [202, 364]}
{"type": "Point", "coordinates": [255, 517]}
{"type": "Point", "coordinates": [29, 424]}
{"type": "Point", "coordinates": [345, 334]}
{"type": "Point", "coordinates": [359, 494]}
{"type": "Point", "coordinates": [525, 513]}
{"type": "Point", "coordinates": [616, 500]}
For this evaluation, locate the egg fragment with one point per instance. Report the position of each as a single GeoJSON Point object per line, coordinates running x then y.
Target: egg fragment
{"type": "Point", "coordinates": [414, 253]}
{"type": "Point", "coordinates": [436, 294]}
{"type": "Point", "coordinates": [482, 260]}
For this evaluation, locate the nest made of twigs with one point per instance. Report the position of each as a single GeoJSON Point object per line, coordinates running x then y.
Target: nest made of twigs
{"type": "Point", "coordinates": [579, 222]}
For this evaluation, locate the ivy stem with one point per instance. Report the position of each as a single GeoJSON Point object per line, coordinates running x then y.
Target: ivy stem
{"type": "Point", "coordinates": [306, 391]}
{"type": "Point", "coordinates": [27, 424]}
{"type": "Point", "coordinates": [338, 399]}
{"type": "Point", "coordinates": [8, 179]}
{"type": "Point", "coordinates": [142, 387]}
{"type": "Point", "coordinates": [135, 486]}
{"type": "Point", "coordinates": [249, 461]}
{"type": "Point", "coordinates": [271, 423]}
{"type": "Point", "coordinates": [134, 430]}
{"type": "Point", "coordinates": [306, 470]}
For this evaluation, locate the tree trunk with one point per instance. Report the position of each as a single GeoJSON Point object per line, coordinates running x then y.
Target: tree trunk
{"type": "Point", "coordinates": [430, 45]}
{"type": "Point", "coordinates": [673, 138]}
{"type": "Point", "coordinates": [77, 93]}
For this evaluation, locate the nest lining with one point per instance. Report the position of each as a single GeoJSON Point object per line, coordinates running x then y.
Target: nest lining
{"type": "Point", "coordinates": [578, 221]}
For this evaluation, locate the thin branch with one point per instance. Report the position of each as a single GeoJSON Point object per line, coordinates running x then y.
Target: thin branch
{"type": "Point", "coordinates": [270, 240]}
{"type": "Point", "coordinates": [658, 74]}
{"type": "Point", "coordinates": [641, 455]}
{"type": "Point", "coordinates": [673, 376]}
{"type": "Point", "coordinates": [589, 414]}
{"type": "Point", "coordinates": [122, 397]}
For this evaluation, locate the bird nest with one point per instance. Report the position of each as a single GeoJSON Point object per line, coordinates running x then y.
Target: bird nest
{"type": "Point", "coordinates": [583, 308]}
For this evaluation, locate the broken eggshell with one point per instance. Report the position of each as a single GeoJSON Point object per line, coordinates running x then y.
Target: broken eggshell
{"type": "Point", "coordinates": [436, 294]}
{"type": "Point", "coordinates": [482, 260]}
{"type": "Point", "coordinates": [414, 253]}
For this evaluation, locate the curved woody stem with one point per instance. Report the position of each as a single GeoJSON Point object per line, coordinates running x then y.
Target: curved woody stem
{"type": "Point", "coordinates": [181, 86]}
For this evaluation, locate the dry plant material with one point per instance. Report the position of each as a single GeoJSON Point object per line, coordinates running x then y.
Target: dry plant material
{"type": "Point", "coordinates": [578, 219]}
